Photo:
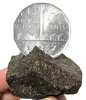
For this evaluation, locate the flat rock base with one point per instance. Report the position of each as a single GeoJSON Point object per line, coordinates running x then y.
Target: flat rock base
{"type": "Point", "coordinates": [37, 75]}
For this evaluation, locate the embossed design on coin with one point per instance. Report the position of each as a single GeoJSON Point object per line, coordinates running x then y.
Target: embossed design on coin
{"type": "Point", "coordinates": [42, 25]}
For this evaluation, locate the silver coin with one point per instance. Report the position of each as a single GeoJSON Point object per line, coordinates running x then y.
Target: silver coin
{"type": "Point", "coordinates": [43, 25]}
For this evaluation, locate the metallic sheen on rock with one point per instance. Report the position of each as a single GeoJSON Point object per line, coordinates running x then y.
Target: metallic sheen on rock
{"type": "Point", "coordinates": [37, 75]}
{"type": "Point", "coordinates": [42, 25]}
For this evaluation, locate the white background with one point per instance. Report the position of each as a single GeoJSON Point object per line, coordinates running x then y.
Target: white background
{"type": "Point", "coordinates": [76, 50]}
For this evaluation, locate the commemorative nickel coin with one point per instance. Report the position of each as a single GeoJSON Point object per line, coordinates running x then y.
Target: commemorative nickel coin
{"type": "Point", "coordinates": [43, 25]}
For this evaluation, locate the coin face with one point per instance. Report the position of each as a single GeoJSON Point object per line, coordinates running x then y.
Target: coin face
{"type": "Point", "coordinates": [42, 25]}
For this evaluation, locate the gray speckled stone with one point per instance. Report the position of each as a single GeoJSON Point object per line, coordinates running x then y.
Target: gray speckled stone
{"type": "Point", "coordinates": [37, 75]}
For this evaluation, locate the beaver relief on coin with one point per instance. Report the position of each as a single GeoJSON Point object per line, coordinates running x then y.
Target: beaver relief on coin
{"type": "Point", "coordinates": [43, 25]}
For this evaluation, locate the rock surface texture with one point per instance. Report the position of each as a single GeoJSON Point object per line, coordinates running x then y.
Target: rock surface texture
{"type": "Point", "coordinates": [38, 75]}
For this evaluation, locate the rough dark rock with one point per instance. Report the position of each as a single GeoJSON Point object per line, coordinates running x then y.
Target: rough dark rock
{"type": "Point", "coordinates": [37, 75]}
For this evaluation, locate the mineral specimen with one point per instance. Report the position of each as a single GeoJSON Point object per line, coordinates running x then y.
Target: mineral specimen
{"type": "Point", "coordinates": [38, 75]}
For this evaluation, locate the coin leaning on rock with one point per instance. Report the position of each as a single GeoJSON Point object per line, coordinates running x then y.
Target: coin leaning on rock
{"type": "Point", "coordinates": [43, 25]}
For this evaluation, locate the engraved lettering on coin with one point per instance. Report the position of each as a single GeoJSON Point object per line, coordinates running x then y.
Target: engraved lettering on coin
{"type": "Point", "coordinates": [43, 25]}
